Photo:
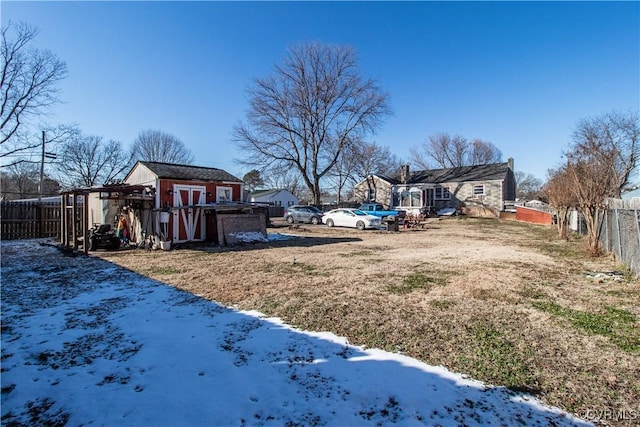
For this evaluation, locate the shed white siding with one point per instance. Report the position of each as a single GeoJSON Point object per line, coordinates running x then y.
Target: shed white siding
{"type": "Point", "coordinates": [141, 175]}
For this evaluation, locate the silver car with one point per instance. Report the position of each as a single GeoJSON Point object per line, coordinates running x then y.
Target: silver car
{"type": "Point", "coordinates": [300, 213]}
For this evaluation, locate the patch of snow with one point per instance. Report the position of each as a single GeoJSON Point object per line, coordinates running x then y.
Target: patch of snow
{"type": "Point", "coordinates": [281, 236]}
{"type": "Point", "coordinates": [249, 236]}
{"type": "Point", "coordinates": [614, 276]}
{"type": "Point", "coordinates": [85, 342]}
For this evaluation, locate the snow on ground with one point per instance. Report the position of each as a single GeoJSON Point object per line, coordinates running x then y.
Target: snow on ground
{"type": "Point", "coordinates": [254, 236]}
{"type": "Point", "coordinates": [85, 342]}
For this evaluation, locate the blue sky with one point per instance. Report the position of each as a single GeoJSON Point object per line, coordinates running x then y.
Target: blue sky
{"type": "Point", "coordinates": [518, 74]}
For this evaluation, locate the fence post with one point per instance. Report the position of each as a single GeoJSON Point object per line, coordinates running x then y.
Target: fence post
{"type": "Point", "coordinates": [638, 224]}
{"type": "Point", "coordinates": [619, 235]}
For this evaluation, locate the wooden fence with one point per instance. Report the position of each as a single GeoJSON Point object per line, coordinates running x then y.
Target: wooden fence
{"type": "Point", "coordinates": [29, 220]}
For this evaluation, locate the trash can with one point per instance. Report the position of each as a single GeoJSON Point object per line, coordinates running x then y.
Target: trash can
{"type": "Point", "coordinates": [391, 224]}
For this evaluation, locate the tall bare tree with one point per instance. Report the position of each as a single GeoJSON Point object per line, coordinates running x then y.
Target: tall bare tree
{"type": "Point", "coordinates": [314, 106]}
{"type": "Point", "coordinates": [159, 146]}
{"type": "Point", "coordinates": [27, 85]}
{"type": "Point", "coordinates": [483, 153]}
{"type": "Point", "coordinates": [604, 155]}
{"type": "Point", "coordinates": [88, 161]}
{"type": "Point", "coordinates": [371, 158]}
{"type": "Point", "coordinates": [442, 150]}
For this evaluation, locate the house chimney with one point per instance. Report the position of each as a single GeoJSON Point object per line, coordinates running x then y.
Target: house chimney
{"type": "Point", "coordinates": [404, 174]}
{"type": "Point", "coordinates": [510, 163]}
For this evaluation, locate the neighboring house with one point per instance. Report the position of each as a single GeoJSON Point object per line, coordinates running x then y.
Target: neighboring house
{"type": "Point", "coordinates": [477, 190]}
{"type": "Point", "coordinates": [277, 197]}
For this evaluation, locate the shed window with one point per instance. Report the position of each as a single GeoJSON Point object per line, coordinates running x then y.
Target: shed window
{"type": "Point", "coordinates": [223, 194]}
{"type": "Point", "coordinates": [478, 190]}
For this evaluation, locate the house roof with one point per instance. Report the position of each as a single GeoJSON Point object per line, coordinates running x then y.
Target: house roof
{"type": "Point", "coordinates": [490, 172]}
{"type": "Point", "coordinates": [262, 193]}
{"type": "Point", "coordinates": [200, 173]}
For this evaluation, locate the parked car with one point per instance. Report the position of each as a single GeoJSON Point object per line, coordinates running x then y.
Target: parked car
{"type": "Point", "coordinates": [377, 209]}
{"type": "Point", "coordinates": [351, 218]}
{"type": "Point", "coordinates": [300, 213]}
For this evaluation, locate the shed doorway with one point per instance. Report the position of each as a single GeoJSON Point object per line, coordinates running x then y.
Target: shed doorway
{"type": "Point", "coordinates": [188, 215]}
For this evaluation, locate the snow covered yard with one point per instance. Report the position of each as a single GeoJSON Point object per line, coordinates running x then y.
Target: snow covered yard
{"type": "Point", "coordinates": [86, 342]}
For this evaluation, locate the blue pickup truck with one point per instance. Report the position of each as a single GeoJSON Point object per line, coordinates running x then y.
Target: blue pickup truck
{"type": "Point", "coordinates": [378, 210]}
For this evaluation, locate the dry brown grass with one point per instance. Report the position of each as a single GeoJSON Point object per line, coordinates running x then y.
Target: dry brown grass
{"type": "Point", "coordinates": [503, 302]}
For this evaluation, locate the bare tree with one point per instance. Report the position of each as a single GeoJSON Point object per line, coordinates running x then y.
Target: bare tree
{"type": "Point", "coordinates": [614, 134]}
{"type": "Point", "coordinates": [312, 108]}
{"type": "Point", "coordinates": [483, 153]}
{"type": "Point", "coordinates": [528, 186]}
{"type": "Point", "coordinates": [343, 171]}
{"type": "Point", "coordinates": [374, 159]}
{"type": "Point", "coordinates": [559, 192]}
{"type": "Point", "coordinates": [159, 146]}
{"type": "Point", "coordinates": [27, 85]}
{"type": "Point", "coordinates": [88, 161]}
{"type": "Point", "coordinates": [285, 178]}
{"type": "Point", "coordinates": [604, 155]}
{"type": "Point", "coordinates": [442, 150]}
{"type": "Point", "coordinates": [21, 181]}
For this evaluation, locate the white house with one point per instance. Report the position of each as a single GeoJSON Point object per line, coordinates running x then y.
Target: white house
{"type": "Point", "coordinates": [277, 197]}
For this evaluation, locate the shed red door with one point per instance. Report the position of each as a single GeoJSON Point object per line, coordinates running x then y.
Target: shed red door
{"type": "Point", "coordinates": [188, 218]}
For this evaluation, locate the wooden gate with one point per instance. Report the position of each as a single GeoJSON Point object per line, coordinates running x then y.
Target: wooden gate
{"type": "Point", "coordinates": [188, 218]}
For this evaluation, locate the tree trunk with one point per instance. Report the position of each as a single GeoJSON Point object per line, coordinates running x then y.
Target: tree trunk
{"type": "Point", "coordinates": [591, 215]}
{"type": "Point", "coordinates": [563, 223]}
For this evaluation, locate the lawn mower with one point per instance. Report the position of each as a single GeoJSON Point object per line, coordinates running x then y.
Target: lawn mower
{"type": "Point", "coordinates": [102, 236]}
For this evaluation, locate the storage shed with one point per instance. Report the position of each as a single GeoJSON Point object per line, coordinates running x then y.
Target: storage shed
{"type": "Point", "coordinates": [172, 203]}
{"type": "Point", "coordinates": [188, 199]}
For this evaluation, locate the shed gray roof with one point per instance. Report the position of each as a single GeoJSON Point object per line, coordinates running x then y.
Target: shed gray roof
{"type": "Point", "coordinates": [494, 171]}
{"type": "Point", "coordinates": [188, 172]}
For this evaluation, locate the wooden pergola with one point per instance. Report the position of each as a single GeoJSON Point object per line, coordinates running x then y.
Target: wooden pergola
{"type": "Point", "coordinates": [75, 215]}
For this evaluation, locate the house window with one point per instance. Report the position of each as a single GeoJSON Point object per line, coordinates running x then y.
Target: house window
{"type": "Point", "coordinates": [223, 195]}
{"type": "Point", "coordinates": [442, 193]}
{"type": "Point", "coordinates": [395, 199]}
{"type": "Point", "coordinates": [411, 199]}
{"type": "Point", "coordinates": [478, 190]}
{"type": "Point", "coordinates": [371, 194]}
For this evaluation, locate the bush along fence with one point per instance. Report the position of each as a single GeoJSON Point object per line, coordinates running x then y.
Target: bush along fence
{"type": "Point", "coordinates": [620, 236]}
{"type": "Point", "coordinates": [29, 220]}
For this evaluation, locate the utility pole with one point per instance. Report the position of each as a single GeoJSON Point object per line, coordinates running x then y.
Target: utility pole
{"type": "Point", "coordinates": [45, 155]}
{"type": "Point", "coordinates": [40, 185]}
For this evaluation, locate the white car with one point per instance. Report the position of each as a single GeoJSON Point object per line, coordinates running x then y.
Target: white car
{"type": "Point", "coordinates": [350, 218]}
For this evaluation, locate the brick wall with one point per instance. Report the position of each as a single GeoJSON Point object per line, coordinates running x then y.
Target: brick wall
{"type": "Point", "coordinates": [533, 216]}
